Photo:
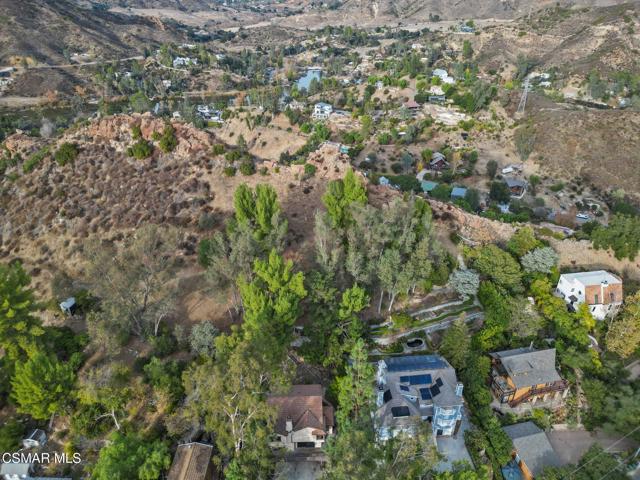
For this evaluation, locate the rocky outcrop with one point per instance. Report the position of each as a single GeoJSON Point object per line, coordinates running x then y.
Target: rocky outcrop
{"type": "Point", "coordinates": [471, 228]}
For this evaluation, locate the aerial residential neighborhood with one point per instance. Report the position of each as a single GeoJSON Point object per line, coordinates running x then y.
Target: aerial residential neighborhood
{"type": "Point", "coordinates": [301, 240]}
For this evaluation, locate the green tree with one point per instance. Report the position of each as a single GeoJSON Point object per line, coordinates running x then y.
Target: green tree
{"type": "Point", "coordinates": [498, 265]}
{"type": "Point", "coordinates": [66, 153]}
{"type": "Point", "coordinates": [11, 433]}
{"type": "Point", "coordinates": [623, 334]}
{"type": "Point", "coordinates": [20, 330]}
{"type": "Point", "coordinates": [228, 397]}
{"type": "Point", "coordinates": [130, 457]}
{"type": "Point", "coordinates": [492, 168]}
{"type": "Point", "coordinates": [106, 389]}
{"type": "Point", "coordinates": [260, 210]}
{"type": "Point", "coordinates": [168, 141]}
{"type": "Point", "coordinates": [523, 241]}
{"type": "Point", "coordinates": [524, 320]}
{"type": "Point", "coordinates": [534, 181]}
{"type": "Point", "coordinates": [355, 389]}
{"type": "Point", "coordinates": [622, 235]}
{"type": "Point", "coordinates": [340, 195]}
{"type": "Point", "coordinates": [202, 339]}
{"type": "Point", "coordinates": [543, 260]}
{"type": "Point", "coordinates": [271, 302]}
{"type": "Point", "coordinates": [135, 283]}
{"type": "Point", "coordinates": [467, 50]}
{"type": "Point", "coordinates": [465, 282]}
{"type": "Point", "coordinates": [456, 343]}
{"type": "Point", "coordinates": [499, 192]}
{"type": "Point", "coordinates": [42, 386]}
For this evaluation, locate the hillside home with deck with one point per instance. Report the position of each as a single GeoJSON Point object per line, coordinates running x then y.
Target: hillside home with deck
{"type": "Point", "coordinates": [305, 419]}
{"type": "Point", "coordinates": [417, 388]}
{"type": "Point", "coordinates": [526, 375]}
{"type": "Point", "coordinates": [601, 290]}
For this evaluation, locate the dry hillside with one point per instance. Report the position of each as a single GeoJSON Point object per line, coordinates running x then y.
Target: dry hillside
{"type": "Point", "coordinates": [44, 29]}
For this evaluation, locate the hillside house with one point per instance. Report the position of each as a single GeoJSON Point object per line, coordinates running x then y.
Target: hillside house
{"type": "Point", "coordinates": [321, 111]}
{"type": "Point", "coordinates": [305, 419]}
{"type": "Point", "coordinates": [192, 461]}
{"type": "Point", "coordinates": [417, 388]}
{"type": "Point", "coordinates": [517, 187]}
{"type": "Point", "coordinates": [184, 62]}
{"type": "Point", "coordinates": [443, 75]}
{"type": "Point", "coordinates": [438, 162]}
{"type": "Point", "coordinates": [601, 290]}
{"type": "Point", "coordinates": [532, 451]}
{"type": "Point", "coordinates": [526, 375]}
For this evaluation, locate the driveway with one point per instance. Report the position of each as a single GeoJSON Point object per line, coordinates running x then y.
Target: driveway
{"type": "Point", "coordinates": [571, 445]}
{"type": "Point", "coordinates": [300, 470]}
{"type": "Point", "coordinates": [453, 448]}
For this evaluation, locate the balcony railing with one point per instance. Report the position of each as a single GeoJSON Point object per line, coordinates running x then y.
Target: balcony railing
{"type": "Point", "coordinates": [555, 387]}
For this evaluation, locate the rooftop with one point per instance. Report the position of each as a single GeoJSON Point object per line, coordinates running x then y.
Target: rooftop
{"type": "Point", "coordinates": [192, 461]}
{"type": "Point", "coordinates": [532, 446]}
{"type": "Point", "coordinates": [527, 367]}
{"type": "Point", "coordinates": [304, 406]}
{"type": "Point", "coordinates": [592, 278]}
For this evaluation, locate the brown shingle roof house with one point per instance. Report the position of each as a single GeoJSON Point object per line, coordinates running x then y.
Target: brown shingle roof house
{"type": "Point", "coordinates": [304, 418]}
{"type": "Point", "coordinates": [192, 462]}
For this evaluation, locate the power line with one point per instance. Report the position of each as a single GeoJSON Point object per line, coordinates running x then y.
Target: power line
{"type": "Point", "coordinates": [605, 450]}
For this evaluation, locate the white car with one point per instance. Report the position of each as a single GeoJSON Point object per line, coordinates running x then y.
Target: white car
{"type": "Point", "coordinates": [582, 216]}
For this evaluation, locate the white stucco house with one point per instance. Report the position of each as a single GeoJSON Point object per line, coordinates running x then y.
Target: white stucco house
{"type": "Point", "coordinates": [321, 111]}
{"type": "Point", "coordinates": [599, 289]}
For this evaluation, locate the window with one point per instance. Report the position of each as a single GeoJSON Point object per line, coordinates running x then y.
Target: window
{"type": "Point", "coordinates": [612, 296]}
{"type": "Point", "coordinates": [595, 298]}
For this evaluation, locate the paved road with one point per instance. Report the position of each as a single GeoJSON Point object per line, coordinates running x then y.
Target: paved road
{"type": "Point", "coordinates": [570, 445]}
{"type": "Point", "coordinates": [75, 65]}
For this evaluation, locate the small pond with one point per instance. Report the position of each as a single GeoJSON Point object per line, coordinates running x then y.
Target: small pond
{"type": "Point", "coordinates": [415, 343]}
{"type": "Point", "coordinates": [304, 81]}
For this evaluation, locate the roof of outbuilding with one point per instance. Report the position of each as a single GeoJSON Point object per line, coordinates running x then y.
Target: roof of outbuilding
{"type": "Point", "coordinates": [533, 447]}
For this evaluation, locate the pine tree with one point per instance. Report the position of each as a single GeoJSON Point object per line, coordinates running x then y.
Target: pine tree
{"type": "Point", "coordinates": [456, 342]}
{"type": "Point", "coordinates": [19, 329]}
{"type": "Point", "coordinates": [355, 388]}
{"type": "Point", "coordinates": [340, 195]}
{"type": "Point", "coordinates": [41, 386]}
{"type": "Point", "coordinates": [271, 302]}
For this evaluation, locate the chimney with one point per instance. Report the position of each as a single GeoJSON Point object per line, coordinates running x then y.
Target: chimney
{"type": "Point", "coordinates": [289, 425]}
{"type": "Point", "coordinates": [459, 388]}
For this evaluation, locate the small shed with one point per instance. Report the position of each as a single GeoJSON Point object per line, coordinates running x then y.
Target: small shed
{"type": "Point", "coordinates": [37, 438]}
{"type": "Point", "coordinates": [69, 306]}
{"type": "Point", "coordinates": [384, 181]}
{"type": "Point", "coordinates": [428, 186]}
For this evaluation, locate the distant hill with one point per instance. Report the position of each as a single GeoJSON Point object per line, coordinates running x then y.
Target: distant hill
{"type": "Point", "coordinates": [369, 10]}
{"type": "Point", "coordinates": [46, 30]}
